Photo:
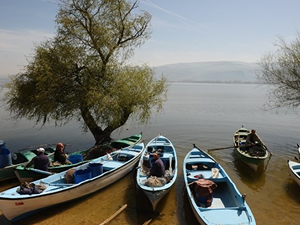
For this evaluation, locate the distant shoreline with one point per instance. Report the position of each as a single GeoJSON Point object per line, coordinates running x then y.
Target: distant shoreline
{"type": "Point", "coordinates": [216, 82]}
{"type": "Point", "coordinates": [2, 82]}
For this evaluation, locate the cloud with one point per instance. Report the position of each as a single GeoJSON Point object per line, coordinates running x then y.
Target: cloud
{"type": "Point", "coordinates": [15, 46]}
{"type": "Point", "coordinates": [185, 22]}
{"type": "Point", "coordinates": [21, 41]}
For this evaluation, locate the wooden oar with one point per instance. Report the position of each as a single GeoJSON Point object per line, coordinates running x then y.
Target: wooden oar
{"type": "Point", "coordinates": [114, 215]}
{"type": "Point", "coordinates": [215, 149]}
{"type": "Point", "coordinates": [41, 171]}
{"type": "Point", "coordinates": [264, 145]}
{"type": "Point", "coordinates": [170, 165]}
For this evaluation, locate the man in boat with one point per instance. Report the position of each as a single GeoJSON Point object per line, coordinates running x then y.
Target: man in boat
{"type": "Point", "coordinates": [253, 140]}
{"type": "Point", "coordinates": [158, 167]}
{"type": "Point", "coordinates": [60, 156]}
{"type": "Point", "coordinates": [41, 161]}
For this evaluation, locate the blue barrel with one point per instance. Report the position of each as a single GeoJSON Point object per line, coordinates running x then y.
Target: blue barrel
{"type": "Point", "coordinates": [96, 168]}
{"type": "Point", "coordinates": [82, 175]}
{"type": "Point", "coordinates": [204, 199]}
{"type": "Point", "coordinates": [5, 155]}
{"type": "Point", "coordinates": [75, 158]}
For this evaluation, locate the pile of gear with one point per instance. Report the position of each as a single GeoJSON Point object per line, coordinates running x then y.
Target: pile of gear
{"type": "Point", "coordinates": [31, 188]}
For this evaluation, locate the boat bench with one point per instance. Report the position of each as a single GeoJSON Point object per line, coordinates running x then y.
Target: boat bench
{"type": "Point", "coordinates": [229, 213]}
{"type": "Point", "coordinates": [109, 165]}
{"type": "Point", "coordinates": [195, 174]}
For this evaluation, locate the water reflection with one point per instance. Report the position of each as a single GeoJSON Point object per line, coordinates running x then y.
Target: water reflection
{"type": "Point", "coordinates": [254, 180]}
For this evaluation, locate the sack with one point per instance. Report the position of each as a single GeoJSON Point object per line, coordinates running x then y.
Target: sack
{"type": "Point", "coordinates": [31, 188]}
{"type": "Point", "coordinates": [155, 181]}
{"type": "Point", "coordinates": [69, 176]}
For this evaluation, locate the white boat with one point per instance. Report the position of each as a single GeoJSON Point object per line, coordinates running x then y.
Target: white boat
{"type": "Point", "coordinates": [156, 188]}
{"type": "Point", "coordinates": [87, 178]}
{"type": "Point", "coordinates": [213, 196]}
{"type": "Point", "coordinates": [294, 171]}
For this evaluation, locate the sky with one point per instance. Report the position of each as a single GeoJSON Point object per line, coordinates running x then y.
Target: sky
{"type": "Point", "coordinates": [183, 31]}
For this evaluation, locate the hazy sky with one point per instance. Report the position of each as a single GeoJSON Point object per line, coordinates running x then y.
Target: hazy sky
{"type": "Point", "coordinates": [183, 30]}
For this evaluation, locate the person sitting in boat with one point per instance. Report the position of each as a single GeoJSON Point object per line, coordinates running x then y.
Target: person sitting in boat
{"type": "Point", "coordinates": [41, 161]}
{"type": "Point", "coordinates": [252, 139]}
{"type": "Point", "coordinates": [60, 156]}
{"type": "Point", "coordinates": [158, 167]}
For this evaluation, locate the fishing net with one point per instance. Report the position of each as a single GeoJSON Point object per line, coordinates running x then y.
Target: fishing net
{"type": "Point", "coordinates": [155, 181]}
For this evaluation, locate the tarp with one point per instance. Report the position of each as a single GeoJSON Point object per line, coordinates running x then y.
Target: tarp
{"type": "Point", "coordinates": [204, 187]}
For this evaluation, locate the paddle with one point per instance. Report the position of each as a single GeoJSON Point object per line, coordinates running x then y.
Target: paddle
{"type": "Point", "coordinates": [41, 171]}
{"type": "Point", "coordinates": [264, 145]}
{"type": "Point", "coordinates": [215, 149]}
{"type": "Point", "coordinates": [170, 166]}
{"type": "Point", "coordinates": [114, 215]}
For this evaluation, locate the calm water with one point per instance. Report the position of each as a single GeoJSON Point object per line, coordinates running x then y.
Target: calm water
{"type": "Point", "coordinates": [204, 114]}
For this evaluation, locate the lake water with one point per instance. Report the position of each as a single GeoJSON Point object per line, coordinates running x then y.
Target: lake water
{"type": "Point", "coordinates": [204, 114]}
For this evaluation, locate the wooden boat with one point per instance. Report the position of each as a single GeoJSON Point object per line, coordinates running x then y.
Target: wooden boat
{"type": "Point", "coordinates": [213, 196]}
{"type": "Point", "coordinates": [62, 187]}
{"type": "Point", "coordinates": [294, 171]}
{"type": "Point", "coordinates": [253, 156]}
{"type": "Point", "coordinates": [79, 157]}
{"type": "Point", "coordinates": [156, 188]}
{"type": "Point", "coordinates": [21, 158]}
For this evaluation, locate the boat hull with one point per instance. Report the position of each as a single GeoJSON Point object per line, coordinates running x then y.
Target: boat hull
{"type": "Point", "coordinates": [155, 196]}
{"type": "Point", "coordinates": [227, 205]}
{"type": "Point", "coordinates": [29, 175]}
{"type": "Point", "coordinates": [253, 161]}
{"type": "Point", "coordinates": [22, 157]}
{"type": "Point", "coordinates": [15, 206]}
{"type": "Point", "coordinates": [294, 171]}
{"type": "Point", "coordinates": [169, 157]}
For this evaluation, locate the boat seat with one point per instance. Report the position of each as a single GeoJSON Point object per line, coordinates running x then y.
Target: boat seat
{"type": "Point", "coordinates": [109, 165]}
{"type": "Point", "coordinates": [123, 158]}
{"type": "Point", "coordinates": [297, 167]}
{"type": "Point", "coordinates": [19, 159]}
{"type": "Point", "coordinates": [29, 155]}
{"type": "Point", "coordinates": [195, 174]}
{"type": "Point", "coordinates": [198, 159]}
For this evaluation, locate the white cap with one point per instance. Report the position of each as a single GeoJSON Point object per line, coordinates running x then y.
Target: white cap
{"type": "Point", "coordinates": [41, 150]}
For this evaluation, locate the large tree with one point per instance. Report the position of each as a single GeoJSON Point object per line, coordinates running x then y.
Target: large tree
{"type": "Point", "coordinates": [82, 74]}
{"type": "Point", "coordinates": [281, 70]}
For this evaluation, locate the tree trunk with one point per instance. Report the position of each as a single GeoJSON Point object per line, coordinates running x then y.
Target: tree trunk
{"type": "Point", "coordinates": [101, 136]}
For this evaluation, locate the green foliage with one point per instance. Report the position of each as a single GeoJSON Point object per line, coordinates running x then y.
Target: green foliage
{"type": "Point", "coordinates": [81, 72]}
{"type": "Point", "coordinates": [281, 70]}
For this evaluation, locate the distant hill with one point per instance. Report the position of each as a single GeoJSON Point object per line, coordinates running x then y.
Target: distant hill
{"type": "Point", "coordinates": [219, 71]}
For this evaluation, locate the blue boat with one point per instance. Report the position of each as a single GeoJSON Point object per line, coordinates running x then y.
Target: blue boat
{"type": "Point", "coordinates": [155, 188]}
{"type": "Point", "coordinates": [213, 196]}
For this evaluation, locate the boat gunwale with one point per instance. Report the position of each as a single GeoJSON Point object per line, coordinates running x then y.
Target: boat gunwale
{"type": "Point", "coordinates": [197, 209]}
{"type": "Point", "coordinates": [68, 187]}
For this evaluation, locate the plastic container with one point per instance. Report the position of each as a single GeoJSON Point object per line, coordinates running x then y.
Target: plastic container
{"type": "Point", "coordinates": [5, 155]}
{"type": "Point", "coordinates": [204, 200]}
{"type": "Point", "coordinates": [82, 175]}
{"type": "Point", "coordinates": [96, 169]}
{"type": "Point", "coordinates": [75, 158]}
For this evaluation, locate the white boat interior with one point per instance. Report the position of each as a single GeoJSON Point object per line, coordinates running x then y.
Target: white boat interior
{"type": "Point", "coordinates": [224, 196]}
